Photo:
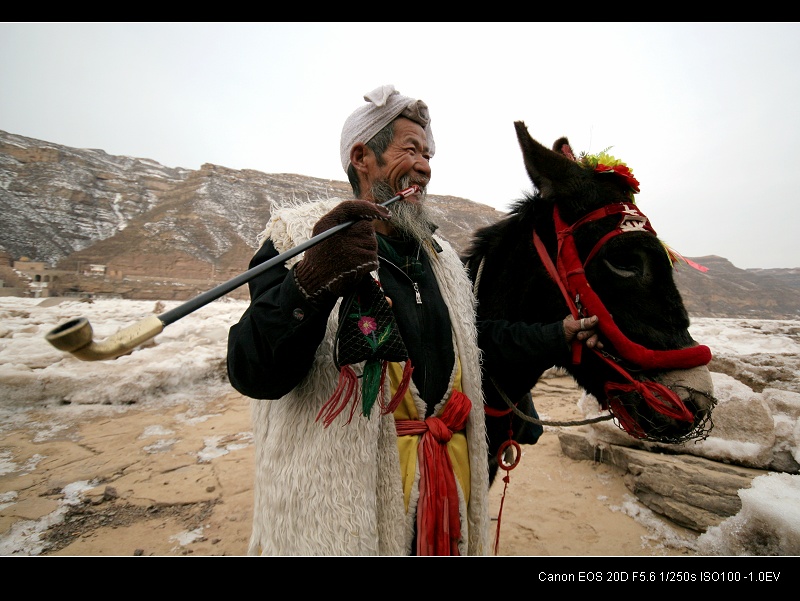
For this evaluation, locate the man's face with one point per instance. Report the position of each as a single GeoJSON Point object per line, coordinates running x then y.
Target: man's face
{"type": "Point", "coordinates": [405, 162]}
{"type": "Point", "coordinates": [407, 159]}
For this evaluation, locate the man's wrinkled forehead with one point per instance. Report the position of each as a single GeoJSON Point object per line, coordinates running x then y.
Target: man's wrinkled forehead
{"type": "Point", "coordinates": [413, 133]}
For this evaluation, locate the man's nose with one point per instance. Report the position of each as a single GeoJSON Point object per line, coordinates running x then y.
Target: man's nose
{"type": "Point", "coordinates": [423, 165]}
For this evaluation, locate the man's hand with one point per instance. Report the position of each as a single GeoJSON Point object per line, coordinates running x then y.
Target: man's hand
{"type": "Point", "coordinates": [583, 329]}
{"type": "Point", "coordinates": [335, 265]}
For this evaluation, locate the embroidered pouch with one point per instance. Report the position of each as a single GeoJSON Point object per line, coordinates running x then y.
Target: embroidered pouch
{"type": "Point", "coordinates": [367, 333]}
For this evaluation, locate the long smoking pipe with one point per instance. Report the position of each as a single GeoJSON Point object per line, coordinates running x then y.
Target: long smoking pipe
{"type": "Point", "coordinates": [75, 335]}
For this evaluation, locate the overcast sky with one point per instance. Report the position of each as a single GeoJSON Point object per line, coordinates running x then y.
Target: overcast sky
{"type": "Point", "coordinates": [707, 115]}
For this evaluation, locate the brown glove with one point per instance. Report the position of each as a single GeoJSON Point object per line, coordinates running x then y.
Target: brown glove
{"type": "Point", "coordinates": [338, 263]}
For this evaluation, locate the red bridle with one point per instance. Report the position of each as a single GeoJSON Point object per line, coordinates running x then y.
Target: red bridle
{"type": "Point", "coordinates": [569, 273]}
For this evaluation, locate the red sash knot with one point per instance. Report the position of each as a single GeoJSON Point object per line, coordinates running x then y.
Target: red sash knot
{"type": "Point", "coordinates": [438, 519]}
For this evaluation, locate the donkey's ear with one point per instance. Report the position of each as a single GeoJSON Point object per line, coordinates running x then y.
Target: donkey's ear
{"type": "Point", "coordinates": [551, 172]}
{"type": "Point", "coordinates": [562, 146]}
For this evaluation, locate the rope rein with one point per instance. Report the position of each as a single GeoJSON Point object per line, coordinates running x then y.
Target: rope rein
{"type": "Point", "coordinates": [542, 422]}
{"type": "Point", "coordinates": [478, 277]}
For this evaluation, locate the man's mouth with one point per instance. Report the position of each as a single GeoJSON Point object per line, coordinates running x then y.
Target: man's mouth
{"type": "Point", "coordinates": [417, 196]}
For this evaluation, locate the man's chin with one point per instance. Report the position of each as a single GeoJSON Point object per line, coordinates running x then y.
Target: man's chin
{"type": "Point", "coordinates": [413, 202]}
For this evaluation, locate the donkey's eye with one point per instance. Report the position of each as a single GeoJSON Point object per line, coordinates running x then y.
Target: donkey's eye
{"type": "Point", "coordinates": [625, 265]}
{"type": "Point", "coordinates": [624, 271]}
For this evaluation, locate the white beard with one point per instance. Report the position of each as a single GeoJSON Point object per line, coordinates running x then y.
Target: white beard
{"type": "Point", "coordinates": [411, 220]}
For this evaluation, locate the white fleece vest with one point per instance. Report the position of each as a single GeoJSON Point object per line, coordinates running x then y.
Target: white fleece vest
{"type": "Point", "coordinates": [337, 490]}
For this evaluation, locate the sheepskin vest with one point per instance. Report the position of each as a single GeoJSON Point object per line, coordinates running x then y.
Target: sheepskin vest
{"type": "Point", "coordinates": [338, 490]}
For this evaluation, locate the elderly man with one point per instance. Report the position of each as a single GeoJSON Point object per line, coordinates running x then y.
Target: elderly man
{"type": "Point", "coordinates": [362, 358]}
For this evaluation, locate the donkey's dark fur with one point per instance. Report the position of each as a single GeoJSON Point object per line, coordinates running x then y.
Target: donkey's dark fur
{"type": "Point", "coordinates": [632, 275]}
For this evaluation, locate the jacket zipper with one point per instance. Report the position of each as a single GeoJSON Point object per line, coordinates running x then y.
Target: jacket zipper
{"type": "Point", "coordinates": [420, 320]}
{"type": "Point", "coordinates": [414, 284]}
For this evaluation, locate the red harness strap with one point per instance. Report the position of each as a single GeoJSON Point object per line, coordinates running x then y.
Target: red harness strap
{"type": "Point", "coordinates": [570, 276]}
{"type": "Point", "coordinates": [571, 279]}
{"type": "Point", "coordinates": [438, 518]}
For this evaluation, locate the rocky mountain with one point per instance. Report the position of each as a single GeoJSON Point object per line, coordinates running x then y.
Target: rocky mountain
{"type": "Point", "coordinates": [160, 232]}
{"type": "Point", "coordinates": [172, 233]}
{"type": "Point", "coordinates": [727, 291]}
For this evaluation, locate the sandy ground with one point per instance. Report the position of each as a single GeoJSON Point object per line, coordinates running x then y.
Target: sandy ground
{"type": "Point", "coordinates": [177, 480]}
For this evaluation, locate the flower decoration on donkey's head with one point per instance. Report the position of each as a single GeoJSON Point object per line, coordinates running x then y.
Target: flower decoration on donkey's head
{"type": "Point", "coordinates": [602, 162]}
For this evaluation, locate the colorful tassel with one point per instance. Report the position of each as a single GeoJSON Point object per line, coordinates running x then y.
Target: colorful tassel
{"type": "Point", "coordinates": [402, 388]}
{"type": "Point", "coordinates": [371, 380]}
{"type": "Point", "coordinates": [345, 391]}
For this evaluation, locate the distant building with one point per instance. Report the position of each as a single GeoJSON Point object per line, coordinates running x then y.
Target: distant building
{"type": "Point", "coordinates": [35, 270]}
{"type": "Point", "coordinates": [38, 275]}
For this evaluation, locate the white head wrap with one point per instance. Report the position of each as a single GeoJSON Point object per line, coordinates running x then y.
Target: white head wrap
{"type": "Point", "coordinates": [384, 104]}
